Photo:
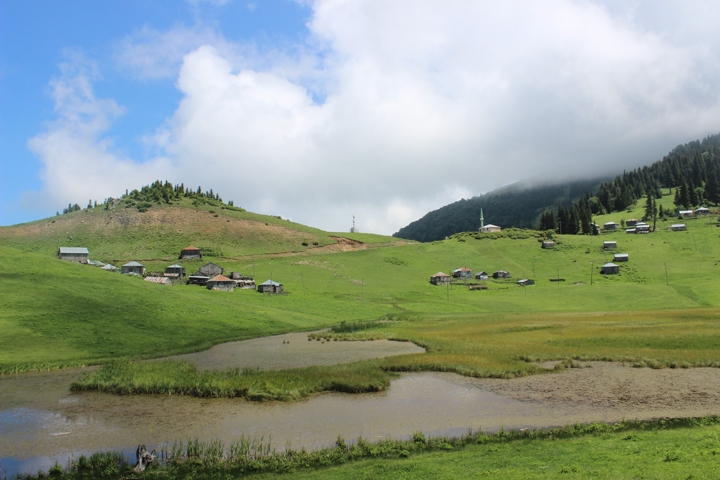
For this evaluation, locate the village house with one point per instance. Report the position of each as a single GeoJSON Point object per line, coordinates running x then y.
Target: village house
{"type": "Point", "coordinates": [241, 281]}
{"type": "Point", "coordinates": [702, 211]}
{"type": "Point", "coordinates": [133, 268]}
{"type": "Point", "coordinates": [631, 231]}
{"type": "Point", "coordinates": [221, 282]}
{"type": "Point", "coordinates": [621, 257]}
{"type": "Point", "coordinates": [642, 228]}
{"type": "Point", "coordinates": [548, 244]}
{"type": "Point", "coordinates": [686, 213]}
{"type": "Point", "coordinates": [610, 226]}
{"type": "Point", "coordinates": [190, 253]}
{"type": "Point", "coordinates": [609, 269]}
{"type": "Point", "coordinates": [525, 282]}
{"type": "Point", "coordinates": [211, 270]}
{"type": "Point", "coordinates": [270, 286]}
{"type": "Point", "coordinates": [175, 271]}
{"type": "Point", "coordinates": [676, 227]}
{"type": "Point", "coordinates": [74, 254]}
{"type": "Point", "coordinates": [632, 222]}
{"type": "Point", "coordinates": [481, 276]}
{"type": "Point", "coordinates": [609, 245]}
{"type": "Point", "coordinates": [198, 278]}
{"type": "Point", "coordinates": [110, 268]}
{"type": "Point", "coordinates": [463, 273]}
{"type": "Point", "coordinates": [501, 274]}
{"type": "Point", "coordinates": [160, 280]}
{"type": "Point", "coordinates": [440, 278]}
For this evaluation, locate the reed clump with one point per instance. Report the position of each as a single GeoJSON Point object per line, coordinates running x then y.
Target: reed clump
{"type": "Point", "coordinates": [245, 455]}
{"type": "Point", "coordinates": [171, 377]}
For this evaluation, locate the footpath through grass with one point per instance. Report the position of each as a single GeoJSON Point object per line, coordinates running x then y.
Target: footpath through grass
{"type": "Point", "coordinates": [682, 448]}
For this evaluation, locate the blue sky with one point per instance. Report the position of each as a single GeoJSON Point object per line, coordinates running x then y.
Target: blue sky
{"type": "Point", "coordinates": [320, 109]}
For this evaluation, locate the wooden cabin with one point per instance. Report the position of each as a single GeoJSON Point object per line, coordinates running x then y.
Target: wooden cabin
{"type": "Point", "coordinates": [221, 282]}
{"type": "Point", "coordinates": [110, 268]}
{"type": "Point", "coordinates": [462, 273]}
{"type": "Point", "coordinates": [677, 227]}
{"type": "Point", "coordinates": [686, 213]}
{"type": "Point", "coordinates": [270, 286]}
{"type": "Point", "coordinates": [610, 269]}
{"type": "Point", "coordinates": [621, 257]}
{"type": "Point", "coordinates": [501, 274]}
{"type": "Point", "coordinates": [702, 211]}
{"type": "Point", "coordinates": [630, 231]}
{"type": "Point", "coordinates": [198, 278]}
{"type": "Point", "coordinates": [526, 282]}
{"type": "Point", "coordinates": [190, 252]}
{"type": "Point", "coordinates": [548, 244]}
{"type": "Point", "coordinates": [133, 268]}
{"type": "Point", "coordinates": [481, 276]}
{"type": "Point", "coordinates": [609, 245]}
{"type": "Point", "coordinates": [632, 222]}
{"type": "Point", "coordinates": [610, 226]}
{"type": "Point", "coordinates": [175, 271]}
{"type": "Point", "coordinates": [440, 278]}
{"type": "Point", "coordinates": [74, 254]}
{"type": "Point", "coordinates": [642, 228]}
{"type": "Point", "coordinates": [211, 270]}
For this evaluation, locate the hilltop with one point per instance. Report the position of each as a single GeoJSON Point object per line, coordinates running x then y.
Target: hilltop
{"type": "Point", "coordinates": [152, 224]}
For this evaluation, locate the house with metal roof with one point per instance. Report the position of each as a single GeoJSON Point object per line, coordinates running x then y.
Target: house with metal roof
{"type": "Point", "coordinates": [211, 270]}
{"type": "Point", "coordinates": [481, 276]}
{"type": "Point", "coordinates": [175, 271]}
{"type": "Point", "coordinates": [548, 244]}
{"type": "Point", "coordinates": [501, 274]}
{"type": "Point", "coordinates": [609, 245]}
{"type": "Point", "coordinates": [610, 269]}
{"type": "Point", "coordinates": [686, 213]}
{"type": "Point", "coordinates": [159, 280]}
{"type": "Point", "coordinates": [74, 254]}
{"type": "Point", "coordinates": [440, 278]}
{"type": "Point", "coordinates": [133, 268]}
{"type": "Point", "coordinates": [621, 257]}
{"type": "Point", "coordinates": [462, 273]}
{"type": "Point", "coordinates": [110, 268]}
{"type": "Point", "coordinates": [702, 211]}
{"type": "Point", "coordinates": [221, 282]}
{"type": "Point", "coordinates": [490, 228]}
{"type": "Point", "coordinates": [677, 227]}
{"type": "Point", "coordinates": [198, 278]}
{"type": "Point", "coordinates": [190, 252]}
{"type": "Point", "coordinates": [525, 282]}
{"type": "Point", "coordinates": [270, 286]}
{"type": "Point", "coordinates": [610, 226]}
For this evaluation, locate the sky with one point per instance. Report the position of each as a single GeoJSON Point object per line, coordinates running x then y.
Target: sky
{"type": "Point", "coordinates": [318, 110]}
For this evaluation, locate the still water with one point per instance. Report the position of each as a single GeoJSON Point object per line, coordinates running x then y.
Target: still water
{"type": "Point", "coordinates": [41, 421]}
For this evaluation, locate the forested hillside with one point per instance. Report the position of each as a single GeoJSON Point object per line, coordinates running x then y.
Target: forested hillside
{"type": "Point", "coordinates": [690, 171]}
{"type": "Point", "coordinates": [516, 205]}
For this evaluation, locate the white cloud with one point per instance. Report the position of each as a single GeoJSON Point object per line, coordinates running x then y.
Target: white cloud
{"type": "Point", "coordinates": [78, 163]}
{"type": "Point", "coordinates": [426, 103]}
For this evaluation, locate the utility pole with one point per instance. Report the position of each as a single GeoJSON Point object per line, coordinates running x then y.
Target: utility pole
{"type": "Point", "coordinates": [667, 282]}
{"type": "Point", "coordinates": [591, 273]}
{"type": "Point", "coordinates": [693, 235]}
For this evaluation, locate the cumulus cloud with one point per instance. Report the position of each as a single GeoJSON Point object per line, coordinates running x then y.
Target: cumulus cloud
{"type": "Point", "coordinates": [78, 161]}
{"type": "Point", "coordinates": [422, 103]}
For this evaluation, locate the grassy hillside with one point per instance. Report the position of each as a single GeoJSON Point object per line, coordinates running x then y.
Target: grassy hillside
{"type": "Point", "coordinates": [120, 233]}
{"type": "Point", "coordinates": [57, 312]}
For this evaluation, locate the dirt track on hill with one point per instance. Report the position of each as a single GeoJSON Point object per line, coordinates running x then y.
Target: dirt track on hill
{"type": "Point", "coordinates": [636, 392]}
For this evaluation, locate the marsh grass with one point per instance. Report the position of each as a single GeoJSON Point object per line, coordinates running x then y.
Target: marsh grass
{"type": "Point", "coordinates": [182, 378]}
{"type": "Point", "coordinates": [245, 455]}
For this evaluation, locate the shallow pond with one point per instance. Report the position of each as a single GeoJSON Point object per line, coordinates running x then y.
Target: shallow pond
{"type": "Point", "coordinates": [42, 421]}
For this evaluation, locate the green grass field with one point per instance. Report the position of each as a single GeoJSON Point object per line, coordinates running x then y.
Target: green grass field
{"type": "Point", "coordinates": [54, 312]}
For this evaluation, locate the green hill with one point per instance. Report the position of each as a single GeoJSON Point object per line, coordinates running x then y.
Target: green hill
{"type": "Point", "coordinates": [517, 205]}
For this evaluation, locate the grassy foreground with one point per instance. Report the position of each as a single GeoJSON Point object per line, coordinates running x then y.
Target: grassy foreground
{"type": "Point", "coordinates": [681, 448]}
